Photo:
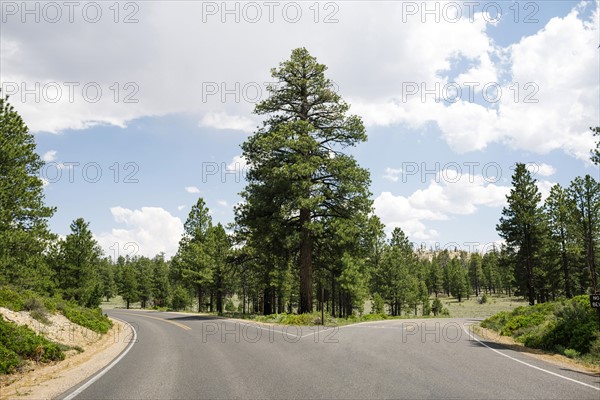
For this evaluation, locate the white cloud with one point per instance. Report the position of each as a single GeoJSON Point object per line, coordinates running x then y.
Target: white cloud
{"type": "Point", "coordinates": [192, 189]}
{"type": "Point", "coordinates": [544, 187]}
{"type": "Point", "coordinates": [543, 169]}
{"type": "Point", "coordinates": [238, 163]}
{"type": "Point", "coordinates": [447, 195]}
{"type": "Point", "coordinates": [49, 156]}
{"type": "Point", "coordinates": [222, 203]}
{"type": "Point", "coordinates": [148, 231]}
{"type": "Point", "coordinates": [392, 174]}
{"type": "Point", "coordinates": [181, 207]}
{"type": "Point", "coordinates": [222, 120]}
{"type": "Point", "coordinates": [561, 59]}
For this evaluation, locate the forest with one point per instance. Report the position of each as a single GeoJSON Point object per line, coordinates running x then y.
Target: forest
{"type": "Point", "coordinates": [305, 236]}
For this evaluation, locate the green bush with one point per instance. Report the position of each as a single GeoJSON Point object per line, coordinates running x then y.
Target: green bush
{"type": "Point", "coordinates": [229, 306]}
{"type": "Point", "coordinates": [437, 306]}
{"type": "Point", "coordinates": [9, 360]}
{"type": "Point", "coordinates": [26, 343]}
{"type": "Point", "coordinates": [571, 353]}
{"type": "Point", "coordinates": [496, 322]}
{"type": "Point", "coordinates": [575, 328]}
{"type": "Point", "coordinates": [11, 299]}
{"type": "Point", "coordinates": [181, 299]}
{"type": "Point", "coordinates": [566, 326]}
{"type": "Point", "coordinates": [484, 298]}
{"type": "Point", "coordinates": [378, 304]}
{"type": "Point", "coordinates": [92, 319]}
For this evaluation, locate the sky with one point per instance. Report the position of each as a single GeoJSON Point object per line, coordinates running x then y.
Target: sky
{"type": "Point", "coordinates": [140, 107]}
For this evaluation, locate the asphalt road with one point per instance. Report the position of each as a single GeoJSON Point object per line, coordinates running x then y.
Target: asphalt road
{"type": "Point", "coordinates": [179, 356]}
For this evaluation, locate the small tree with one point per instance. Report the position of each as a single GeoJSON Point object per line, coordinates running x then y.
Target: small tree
{"type": "Point", "coordinates": [78, 274]}
{"type": "Point", "coordinates": [129, 286]}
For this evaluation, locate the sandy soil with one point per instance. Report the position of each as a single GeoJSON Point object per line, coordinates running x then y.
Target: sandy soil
{"type": "Point", "coordinates": [45, 381]}
{"type": "Point", "coordinates": [557, 359]}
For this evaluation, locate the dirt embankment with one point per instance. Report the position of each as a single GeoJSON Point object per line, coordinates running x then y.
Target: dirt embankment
{"type": "Point", "coordinates": [45, 381]}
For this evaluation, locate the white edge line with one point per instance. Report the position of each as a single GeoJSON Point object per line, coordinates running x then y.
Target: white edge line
{"type": "Point", "coordinates": [108, 367]}
{"type": "Point", "coordinates": [530, 365]}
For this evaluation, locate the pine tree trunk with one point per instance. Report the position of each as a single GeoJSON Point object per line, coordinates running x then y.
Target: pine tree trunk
{"type": "Point", "coordinates": [199, 293]}
{"type": "Point", "coordinates": [306, 247]}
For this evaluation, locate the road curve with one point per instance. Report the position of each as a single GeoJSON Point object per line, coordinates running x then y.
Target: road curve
{"type": "Point", "coordinates": [179, 356]}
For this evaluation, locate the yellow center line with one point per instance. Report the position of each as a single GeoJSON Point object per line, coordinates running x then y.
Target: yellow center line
{"type": "Point", "coordinates": [182, 326]}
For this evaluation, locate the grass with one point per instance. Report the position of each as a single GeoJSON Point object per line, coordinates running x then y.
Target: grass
{"type": "Point", "coordinates": [472, 309]}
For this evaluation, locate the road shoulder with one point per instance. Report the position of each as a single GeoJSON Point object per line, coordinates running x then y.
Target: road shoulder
{"type": "Point", "coordinates": [48, 381]}
{"type": "Point", "coordinates": [556, 359]}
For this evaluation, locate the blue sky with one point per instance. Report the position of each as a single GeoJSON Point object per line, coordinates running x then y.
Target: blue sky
{"type": "Point", "coordinates": [440, 169]}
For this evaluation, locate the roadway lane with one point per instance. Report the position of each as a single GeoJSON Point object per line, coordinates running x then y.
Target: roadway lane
{"type": "Point", "coordinates": [180, 356]}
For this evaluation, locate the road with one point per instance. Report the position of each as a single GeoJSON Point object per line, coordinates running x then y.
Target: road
{"type": "Point", "coordinates": [179, 356]}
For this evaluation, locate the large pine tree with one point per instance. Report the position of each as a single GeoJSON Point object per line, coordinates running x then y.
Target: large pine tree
{"type": "Point", "coordinates": [522, 226]}
{"type": "Point", "coordinates": [585, 195]}
{"type": "Point", "coordinates": [300, 179]}
{"type": "Point", "coordinates": [24, 234]}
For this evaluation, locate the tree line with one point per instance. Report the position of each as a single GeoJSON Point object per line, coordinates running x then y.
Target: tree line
{"type": "Point", "coordinates": [304, 237]}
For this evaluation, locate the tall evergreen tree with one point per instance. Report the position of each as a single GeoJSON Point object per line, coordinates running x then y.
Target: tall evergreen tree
{"type": "Point", "coordinates": [80, 262]}
{"type": "Point", "coordinates": [299, 176]}
{"type": "Point", "coordinates": [24, 234]}
{"type": "Point", "coordinates": [192, 260]}
{"type": "Point", "coordinates": [476, 272]}
{"type": "Point", "coordinates": [585, 195]}
{"type": "Point", "coordinates": [521, 225]}
{"type": "Point", "coordinates": [558, 210]}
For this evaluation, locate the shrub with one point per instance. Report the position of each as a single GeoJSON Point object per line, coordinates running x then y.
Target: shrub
{"type": "Point", "coordinates": [26, 343]}
{"type": "Point", "coordinates": [11, 299]}
{"type": "Point", "coordinates": [9, 360]}
{"type": "Point", "coordinates": [566, 326]}
{"type": "Point", "coordinates": [496, 322]}
{"type": "Point", "coordinates": [181, 299]}
{"type": "Point", "coordinates": [576, 326]}
{"type": "Point", "coordinates": [92, 319]}
{"type": "Point", "coordinates": [484, 298]}
{"type": "Point", "coordinates": [437, 306]}
{"type": "Point", "coordinates": [378, 304]}
{"type": "Point", "coordinates": [229, 306]}
{"type": "Point", "coordinates": [571, 353]}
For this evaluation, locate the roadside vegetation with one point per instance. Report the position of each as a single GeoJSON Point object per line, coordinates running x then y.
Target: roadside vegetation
{"type": "Point", "coordinates": [569, 327]}
{"type": "Point", "coordinates": [20, 343]}
{"type": "Point", "coordinates": [40, 306]}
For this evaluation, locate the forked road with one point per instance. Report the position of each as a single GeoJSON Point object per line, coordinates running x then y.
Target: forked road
{"type": "Point", "coordinates": [179, 356]}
